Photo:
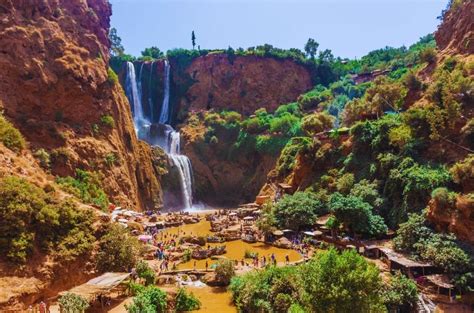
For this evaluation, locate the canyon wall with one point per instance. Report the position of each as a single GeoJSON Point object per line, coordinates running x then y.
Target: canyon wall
{"type": "Point", "coordinates": [56, 88]}
{"type": "Point", "coordinates": [243, 83]}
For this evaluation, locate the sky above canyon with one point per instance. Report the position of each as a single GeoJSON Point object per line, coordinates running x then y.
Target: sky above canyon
{"type": "Point", "coordinates": [350, 28]}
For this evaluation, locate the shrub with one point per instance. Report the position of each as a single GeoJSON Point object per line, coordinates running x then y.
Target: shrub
{"type": "Point", "coordinates": [29, 216]}
{"type": "Point", "coordinates": [118, 250]}
{"type": "Point", "coordinates": [186, 301]}
{"type": "Point", "coordinates": [148, 300]}
{"type": "Point", "coordinates": [43, 157]}
{"type": "Point", "coordinates": [112, 76]}
{"type": "Point", "coordinates": [400, 291]}
{"type": "Point", "coordinates": [344, 183]}
{"type": "Point", "coordinates": [400, 136]}
{"type": "Point", "coordinates": [10, 136]}
{"type": "Point", "coordinates": [111, 159]}
{"type": "Point", "coordinates": [146, 272]}
{"type": "Point", "coordinates": [443, 197]}
{"type": "Point", "coordinates": [285, 124]}
{"type": "Point", "coordinates": [73, 303]}
{"type": "Point", "coordinates": [107, 120]}
{"type": "Point", "coordinates": [316, 123]}
{"type": "Point", "coordinates": [428, 55]}
{"type": "Point", "coordinates": [225, 271]}
{"type": "Point", "coordinates": [411, 81]}
{"type": "Point", "coordinates": [297, 211]}
{"type": "Point", "coordinates": [463, 173]}
{"type": "Point", "coordinates": [86, 186]}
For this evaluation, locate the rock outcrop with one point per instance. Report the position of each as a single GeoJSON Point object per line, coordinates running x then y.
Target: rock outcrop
{"type": "Point", "coordinates": [243, 83]}
{"type": "Point", "coordinates": [456, 33]}
{"type": "Point", "coordinates": [56, 88]}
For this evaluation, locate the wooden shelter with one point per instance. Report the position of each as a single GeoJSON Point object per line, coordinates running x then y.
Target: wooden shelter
{"type": "Point", "coordinates": [398, 262]}
{"type": "Point", "coordinates": [96, 288]}
{"type": "Point", "coordinates": [442, 283]}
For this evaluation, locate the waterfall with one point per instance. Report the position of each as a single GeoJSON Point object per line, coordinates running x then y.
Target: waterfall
{"type": "Point", "coordinates": [160, 134]}
{"type": "Point", "coordinates": [134, 94]}
{"type": "Point", "coordinates": [183, 165]}
{"type": "Point", "coordinates": [164, 115]}
{"type": "Point", "coordinates": [150, 99]}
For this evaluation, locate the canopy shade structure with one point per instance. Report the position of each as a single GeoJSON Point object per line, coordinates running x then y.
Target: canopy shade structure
{"type": "Point", "coordinates": [99, 285]}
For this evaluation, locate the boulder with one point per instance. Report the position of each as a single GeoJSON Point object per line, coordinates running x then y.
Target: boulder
{"type": "Point", "coordinates": [283, 243]}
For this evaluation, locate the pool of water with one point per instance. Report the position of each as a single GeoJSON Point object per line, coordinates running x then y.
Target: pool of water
{"type": "Point", "coordinates": [213, 299]}
{"type": "Point", "coordinates": [235, 250]}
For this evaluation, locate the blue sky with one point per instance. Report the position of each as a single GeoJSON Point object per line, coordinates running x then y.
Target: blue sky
{"type": "Point", "coordinates": [350, 28]}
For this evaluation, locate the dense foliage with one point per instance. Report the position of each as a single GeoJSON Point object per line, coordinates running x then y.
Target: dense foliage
{"type": "Point", "coordinates": [118, 250]}
{"type": "Point", "coordinates": [31, 218]}
{"type": "Point", "coordinates": [297, 211]}
{"type": "Point", "coordinates": [150, 299]}
{"type": "Point", "coordinates": [444, 251]}
{"type": "Point", "coordinates": [330, 282]}
{"type": "Point", "coordinates": [86, 186]}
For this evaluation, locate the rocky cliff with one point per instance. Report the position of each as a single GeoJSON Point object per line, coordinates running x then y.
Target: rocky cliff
{"type": "Point", "coordinates": [456, 33]}
{"type": "Point", "coordinates": [243, 83]}
{"type": "Point", "coordinates": [56, 88]}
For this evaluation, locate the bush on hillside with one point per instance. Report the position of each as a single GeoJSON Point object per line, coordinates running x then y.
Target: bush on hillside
{"type": "Point", "coordinates": [86, 186]}
{"type": "Point", "coordinates": [10, 136]}
{"type": "Point", "coordinates": [315, 123]}
{"type": "Point", "coordinates": [29, 217]}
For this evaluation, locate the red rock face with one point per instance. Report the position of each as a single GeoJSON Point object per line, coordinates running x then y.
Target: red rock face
{"type": "Point", "coordinates": [55, 88]}
{"type": "Point", "coordinates": [458, 219]}
{"type": "Point", "coordinates": [244, 84]}
{"type": "Point", "coordinates": [456, 33]}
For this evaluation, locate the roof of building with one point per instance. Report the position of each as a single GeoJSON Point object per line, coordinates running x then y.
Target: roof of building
{"type": "Point", "coordinates": [440, 280]}
{"type": "Point", "coordinates": [401, 259]}
{"type": "Point", "coordinates": [98, 285]}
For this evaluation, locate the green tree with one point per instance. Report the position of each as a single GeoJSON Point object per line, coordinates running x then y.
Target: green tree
{"type": "Point", "coordinates": [311, 47]}
{"type": "Point", "coordinates": [116, 48]}
{"type": "Point", "coordinates": [152, 52]}
{"type": "Point", "coordinates": [342, 282]}
{"type": "Point", "coordinates": [72, 303]}
{"type": "Point", "coordinates": [118, 250]}
{"type": "Point", "coordinates": [193, 39]}
{"type": "Point", "coordinates": [356, 215]}
{"type": "Point", "coordinates": [297, 211]}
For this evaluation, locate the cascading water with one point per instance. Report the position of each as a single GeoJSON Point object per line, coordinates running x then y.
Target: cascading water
{"type": "Point", "coordinates": [134, 94]}
{"type": "Point", "coordinates": [161, 134]}
{"type": "Point", "coordinates": [164, 115]}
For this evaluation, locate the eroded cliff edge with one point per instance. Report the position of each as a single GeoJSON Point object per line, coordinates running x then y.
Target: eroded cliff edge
{"type": "Point", "coordinates": [56, 88]}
